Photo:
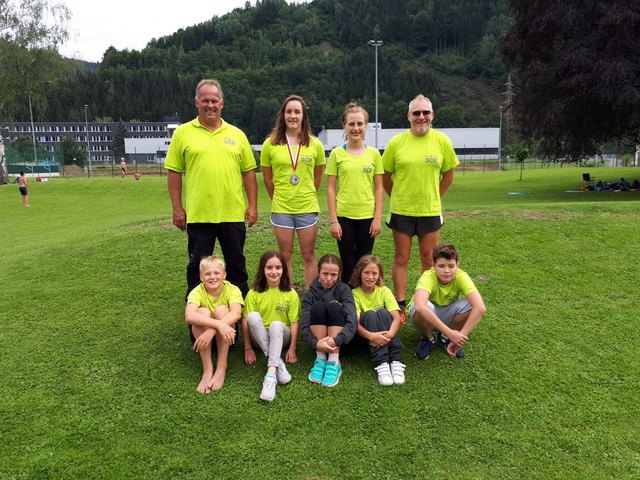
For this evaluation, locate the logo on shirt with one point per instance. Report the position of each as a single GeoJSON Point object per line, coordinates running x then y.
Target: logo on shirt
{"type": "Point", "coordinates": [306, 159]}
{"type": "Point", "coordinates": [431, 159]}
{"type": "Point", "coordinates": [281, 307]}
{"type": "Point", "coordinates": [229, 141]}
{"type": "Point", "coordinates": [367, 168]}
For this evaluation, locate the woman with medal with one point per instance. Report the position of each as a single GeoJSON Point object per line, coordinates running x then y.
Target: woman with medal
{"type": "Point", "coordinates": [355, 192]}
{"type": "Point", "coordinates": [292, 162]}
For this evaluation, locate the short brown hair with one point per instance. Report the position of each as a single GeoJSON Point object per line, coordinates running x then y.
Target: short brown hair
{"type": "Point", "coordinates": [447, 251]}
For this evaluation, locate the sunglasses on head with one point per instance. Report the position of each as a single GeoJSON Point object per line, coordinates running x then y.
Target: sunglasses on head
{"type": "Point", "coordinates": [417, 113]}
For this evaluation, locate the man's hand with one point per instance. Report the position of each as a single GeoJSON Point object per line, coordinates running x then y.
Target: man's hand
{"type": "Point", "coordinates": [250, 216]}
{"type": "Point", "coordinates": [180, 218]}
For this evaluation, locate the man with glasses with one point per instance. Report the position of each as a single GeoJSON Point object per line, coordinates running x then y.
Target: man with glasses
{"type": "Point", "coordinates": [419, 166]}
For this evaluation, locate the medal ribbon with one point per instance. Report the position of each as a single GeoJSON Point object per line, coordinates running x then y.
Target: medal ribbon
{"type": "Point", "coordinates": [294, 163]}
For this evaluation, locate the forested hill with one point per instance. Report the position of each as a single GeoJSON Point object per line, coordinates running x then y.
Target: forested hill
{"type": "Point", "coordinates": [446, 49]}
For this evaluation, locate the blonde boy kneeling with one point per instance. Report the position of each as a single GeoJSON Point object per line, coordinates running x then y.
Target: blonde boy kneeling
{"type": "Point", "coordinates": [446, 300]}
{"type": "Point", "coordinates": [212, 310]}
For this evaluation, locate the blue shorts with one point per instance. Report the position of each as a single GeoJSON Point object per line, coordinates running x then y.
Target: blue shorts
{"type": "Point", "coordinates": [296, 221]}
{"type": "Point", "coordinates": [446, 313]}
{"type": "Point", "coordinates": [23, 191]}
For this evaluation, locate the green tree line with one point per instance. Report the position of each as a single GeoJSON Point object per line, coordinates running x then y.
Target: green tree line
{"type": "Point", "coordinates": [263, 52]}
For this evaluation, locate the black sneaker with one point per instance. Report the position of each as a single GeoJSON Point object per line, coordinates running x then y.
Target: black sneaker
{"type": "Point", "coordinates": [424, 348]}
{"type": "Point", "coordinates": [443, 342]}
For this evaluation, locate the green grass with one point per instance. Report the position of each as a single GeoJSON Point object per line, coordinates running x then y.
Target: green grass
{"type": "Point", "coordinates": [98, 377]}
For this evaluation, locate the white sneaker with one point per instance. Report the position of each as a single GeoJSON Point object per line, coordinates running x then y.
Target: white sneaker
{"type": "Point", "coordinates": [282, 374]}
{"type": "Point", "coordinates": [384, 374]}
{"type": "Point", "coordinates": [268, 392]}
{"type": "Point", "coordinates": [397, 371]}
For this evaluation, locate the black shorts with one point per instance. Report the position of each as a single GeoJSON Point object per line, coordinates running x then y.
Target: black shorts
{"type": "Point", "coordinates": [415, 225]}
{"type": "Point", "coordinates": [23, 191]}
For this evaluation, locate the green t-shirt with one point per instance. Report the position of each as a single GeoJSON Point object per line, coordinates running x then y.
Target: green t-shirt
{"type": "Point", "coordinates": [356, 197]}
{"type": "Point", "coordinates": [381, 297]}
{"type": "Point", "coordinates": [442, 295]}
{"type": "Point", "coordinates": [274, 304]}
{"type": "Point", "coordinates": [229, 294]}
{"type": "Point", "coordinates": [213, 163]}
{"type": "Point", "coordinates": [417, 164]}
{"type": "Point", "coordinates": [289, 198]}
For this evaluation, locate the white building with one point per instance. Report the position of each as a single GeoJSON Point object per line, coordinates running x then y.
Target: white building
{"type": "Point", "coordinates": [469, 143]}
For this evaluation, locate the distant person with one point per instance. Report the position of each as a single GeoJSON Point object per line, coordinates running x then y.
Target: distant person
{"type": "Point", "coordinates": [624, 185]}
{"type": "Point", "coordinates": [328, 321]}
{"type": "Point", "coordinates": [419, 166]}
{"type": "Point", "coordinates": [446, 300]}
{"type": "Point", "coordinates": [22, 186]}
{"type": "Point", "coordinates": [379, 320]}
{"type": "Point", "coordinates": [270, 321]}
{"type": "Point", "coordinates": [137, 175]}
{"type": "Point", "coordinates": [123, 168]}
{"type": "Point", "coordinates": [354, 191]}
{"type": "Point", "coordinates": [213, 308]}
{"type": "Point", "coordinates": [217, 162]}
{"type": "Point", "coordinates": [635, 184]}
{"type": "Point", "coordinates": [292, 161]}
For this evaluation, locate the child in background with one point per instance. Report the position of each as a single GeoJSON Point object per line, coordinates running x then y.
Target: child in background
{"type": "Point", "coordinates": [212, 310]}
{"type": "Point", "coordinates": [378, 319]}
{"type": "Point", "coordinates": [270, 321]}
{"type": "Point", "coordinates": [446, 300]}
{"type": "Point", "coordinates": [328, 320]}
{"type": "Point", "coordinates": [22, 186]}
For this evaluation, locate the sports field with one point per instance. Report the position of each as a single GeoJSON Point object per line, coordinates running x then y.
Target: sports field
{"type": "Point", "coordinates": [98, 377]}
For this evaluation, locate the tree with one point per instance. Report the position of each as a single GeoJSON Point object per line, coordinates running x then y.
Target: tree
{"type": "Point", "coordinates": [118, 140]}
{"type": "Point", "coordinates": [30, 31]}
{"type": "Point", "coordinates": [21, 150]}
{"type": "Point", "coordinates": [578, 69]}
{"type": "Point", "coordinates": [521, 155]}
{"type": "Point", "coordinates": [72, 153]}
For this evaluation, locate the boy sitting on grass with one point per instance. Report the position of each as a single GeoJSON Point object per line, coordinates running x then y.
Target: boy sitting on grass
{"type": "Point", "coordinates": [446, 300]}
{"type": "Point", "coordinates": [212, 310]}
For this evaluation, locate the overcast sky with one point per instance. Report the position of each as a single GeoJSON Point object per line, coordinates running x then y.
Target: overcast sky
{"type": "Point", "coordinates": [95, 26]}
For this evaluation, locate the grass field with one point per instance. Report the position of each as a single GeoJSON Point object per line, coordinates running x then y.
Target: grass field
{"type": "Point", "coordinates": [98, 377]}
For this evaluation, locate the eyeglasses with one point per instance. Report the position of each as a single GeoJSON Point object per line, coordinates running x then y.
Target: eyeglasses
{"type": "Point", "coordinates": [417, 113]}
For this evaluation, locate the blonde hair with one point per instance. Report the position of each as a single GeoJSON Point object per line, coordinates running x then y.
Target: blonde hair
{"type": "Point", "coordinates": [353, 107]}
{"type": "Point", "coordinates": [364, 262]}
{"type": "Point", "coordinates": [212, 260]}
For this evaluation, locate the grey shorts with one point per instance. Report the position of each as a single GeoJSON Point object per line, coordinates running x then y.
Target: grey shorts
{"type": "Point", "coordinates": [447, 313]}
{"type": "Point", "coordinates": [414, 225]}
{"type": "Point", "coordinates": [296, 221]}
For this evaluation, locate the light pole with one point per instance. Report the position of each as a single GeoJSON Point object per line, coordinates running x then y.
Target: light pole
{"type": "Point", "coordinates": [375, 44]}
{"type": "Point", "coordinates": [86, 127]}
{"type": "Point", "coordinates": [500, 141]}
{"type": "Point", "coordinates": [33, 133]}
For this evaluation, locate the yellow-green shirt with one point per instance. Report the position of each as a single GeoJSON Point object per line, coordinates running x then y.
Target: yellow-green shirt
{"type": "Point", "coordinates": [417, 164]}
{"type": "Point", "coordinates": [381, 297]}
{"type": "Point", "coordinates": [213, 163]}
{"type": "Point", "coordinates": [442, 295]}
{"type": "Point", "coordinates": [229, 294]}
{"type": "Point", "coordinates": [289, 198]}
{"type": "Point", "coordinates": [274, 304]}
{"type": "Point", "coordinates": [356, 194]}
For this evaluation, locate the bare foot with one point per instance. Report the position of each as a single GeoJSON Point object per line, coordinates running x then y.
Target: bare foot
{"type": "Point", "coordinates": [217, 381]}
{"type": "Point", "coordinates": [203, 386]}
